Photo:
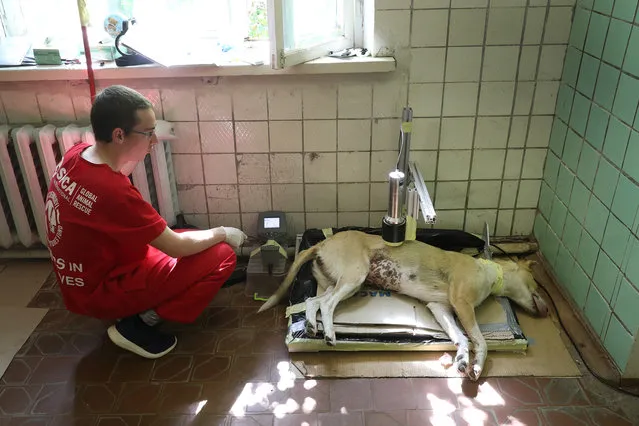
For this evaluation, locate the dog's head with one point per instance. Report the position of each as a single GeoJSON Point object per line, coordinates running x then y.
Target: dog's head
{"type": "Point", "coordinates": [520, 286]}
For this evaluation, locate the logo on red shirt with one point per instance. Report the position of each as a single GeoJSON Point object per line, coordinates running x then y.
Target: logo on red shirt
{"type": "Point", "coordinates": [54, 227]}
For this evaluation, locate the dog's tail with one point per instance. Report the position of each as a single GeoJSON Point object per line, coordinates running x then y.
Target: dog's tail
{"type": "Point", "coordinates": [302, 258]}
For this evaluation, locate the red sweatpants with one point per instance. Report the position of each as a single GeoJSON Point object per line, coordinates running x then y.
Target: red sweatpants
{"type": "Point", "coordinates": [177, 289]}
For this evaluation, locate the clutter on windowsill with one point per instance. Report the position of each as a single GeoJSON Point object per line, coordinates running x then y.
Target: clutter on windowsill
{"type": "Point", "coordinates": [351, 52]}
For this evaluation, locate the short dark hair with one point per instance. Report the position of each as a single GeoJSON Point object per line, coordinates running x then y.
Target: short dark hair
{"type": "Point", "coordinates": [116, 107]}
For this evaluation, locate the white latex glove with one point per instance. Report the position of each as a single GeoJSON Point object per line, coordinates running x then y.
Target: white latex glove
{"type": "Point", "coordinates": [235, 237]}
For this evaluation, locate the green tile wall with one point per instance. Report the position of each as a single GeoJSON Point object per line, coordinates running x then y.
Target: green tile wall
{"type": "Point", "coordinates": [588, 217]}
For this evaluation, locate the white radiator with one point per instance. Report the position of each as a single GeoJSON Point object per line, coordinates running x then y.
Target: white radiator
{"type": "Point", "coordinates": [28, 156]}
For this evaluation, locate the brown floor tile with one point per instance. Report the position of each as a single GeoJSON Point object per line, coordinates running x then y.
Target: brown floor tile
{"type": "Point", "coordinates": [303, 396]}
{"type": "Point", "coordinates": [55, 369]}
{"type": "Point", "coordinates": [86, 343]}
{"type": "Point", "coordinates": [297, 420]}
{"type": "Point", "coordinates": [211, 368]}
{"type": "Point", "coordinates": [235, 341]}
{"type": "Point", "coordinates": [262, 321]}
{"type": "Point", "coordinates": [393, 394]}
{"type": "Point", "coordinates": [163, 420]}
{"type": "Point", "coordinates": [220, 318]}
{"type": "Point", "coordinates": [139, 398]}
{"type": "Point", "coordinates": [566, 416]}
{"type": "Point", "coordinates": [97, 366]}
{"type": "Point", "coordinates": [196, 342]}
{"type": "Point", "coordinates": [240, 299]}
{"type": "Point", "coordinates": [118, 420]}
{"type": "Point", "coordinates": [51, 299]}
{"type": "Point", "coordinates": [386, 418]}
{"type": "Point", "coordinates": [433, 394]}
{"type": "Point", "coordinates": [341, 419]}
{"type": "Point", "coordinates": [48, 344]}
{"type": "Point", "coordinates": [269, 341]}
{"type": "Point", "coordinates": [206, 420]}
{"type": "Point", "coordinates": [312, 395]}
{"type": "Point", "coordinates": [351, 395]}
{"type": "Point", "coordinates": [26, 346]}
{"type": "Point", "coordinates": [253, 420]}
{"type": "Point", "coordinates": [172, 368]}
{"type": "Point", "coordinates": [181, 398]}
{"type": "Point", "coordinates": [430, 418]}
{"type": "Point", "coordinates": [252, 368]}
{"type": "Point", "coordinates": [602, 416]}
{"type": "Point", "coordinates": [97, 398]}
{"type": "Point", "coordinates": [223, 398]}
{"type": "Point", "coordinates": [132, 368]}
{"type": "Point", "coordinates": [17, 400]}
{"type": "Point", "coordinates": [28, 421]}
{"type": "Point", "coordinates": [562, 392]}
{"type": "Point", "coordinates": [516, 416]}
{"type": "Point", "coordinates": [19, 370]}
{"type": "Point", "coordinates": [73, 420]}
{"type": "Point", "coordinates": [55, 399]}
{"type": "Point", "coordinates": [475, 416]}
{"type": "Point", "coordinates": [224, 297]}
{"type": "Point", "coordinates": [519, 391]}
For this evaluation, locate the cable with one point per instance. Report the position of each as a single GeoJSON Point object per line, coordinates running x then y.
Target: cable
{"type": "Point", "coordinates": [603, 380]}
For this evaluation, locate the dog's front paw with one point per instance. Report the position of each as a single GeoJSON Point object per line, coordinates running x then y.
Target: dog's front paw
{"type": "Point", "coordinates": [330, 340]}
{"type": "Point", "coordinates": [463, 360]}
{"type": "Point", "coordinates": [311, 329]}
{"type": "Point", "coordinates": [474, 372]}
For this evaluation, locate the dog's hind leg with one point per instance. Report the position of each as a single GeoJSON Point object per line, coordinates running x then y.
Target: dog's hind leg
{"type": "Point", "coordinates": [466, 314]}
{"type": "Point", "coordinates": [443, 313]}
{"type": "Point", "coordinates": [312, 306]}
{"type": "Point", "coordinates": [343, 290]}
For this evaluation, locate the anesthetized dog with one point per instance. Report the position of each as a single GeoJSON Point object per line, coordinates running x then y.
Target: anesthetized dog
{"type": "Point", "coordinates": [445, 281]}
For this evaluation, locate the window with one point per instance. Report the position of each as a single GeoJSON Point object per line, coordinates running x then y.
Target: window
{"type": "Point", "coordinates": [302, 30]}
{"type": "Point", "coordinates": [288, 32]}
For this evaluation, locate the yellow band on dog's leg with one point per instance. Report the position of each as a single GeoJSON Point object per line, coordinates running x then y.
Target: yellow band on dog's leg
{"type": "Point", "coordinates": [411, 229]}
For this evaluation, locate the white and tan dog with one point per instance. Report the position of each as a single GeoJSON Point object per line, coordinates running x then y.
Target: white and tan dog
{"type": "Point", "coordinates": [444, 280]}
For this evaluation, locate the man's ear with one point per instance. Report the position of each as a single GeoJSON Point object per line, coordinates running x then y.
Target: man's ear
{"type": "Point", "coordinates": [117, 136]}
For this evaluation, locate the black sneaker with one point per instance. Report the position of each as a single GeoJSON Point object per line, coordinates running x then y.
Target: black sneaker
{"type": "Point", "coordinates": [135, 335]}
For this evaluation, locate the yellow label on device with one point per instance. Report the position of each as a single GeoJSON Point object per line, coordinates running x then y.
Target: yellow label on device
{"type": "Point", "coordinates": [407, 127]}
{"type": "Point", "coordinates": [411, 229]}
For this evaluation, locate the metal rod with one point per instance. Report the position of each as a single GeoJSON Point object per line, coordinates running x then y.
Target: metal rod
{"type": "Point", "coordinates": [404, 151]}
{"type": "Point", "coordinates": [415, 210]}
{"type": "Point", "coordinates": [411, 202]}
{"type": "Point", "coordinates": [424, 198]}
{"type": "Point", "coordinates": [404, 143]}
{"type": "Point", "coordinates": [394, 207]}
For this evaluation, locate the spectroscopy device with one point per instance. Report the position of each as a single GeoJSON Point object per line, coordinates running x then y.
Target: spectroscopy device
{"type": "Point", "coordinates": [407, 192]}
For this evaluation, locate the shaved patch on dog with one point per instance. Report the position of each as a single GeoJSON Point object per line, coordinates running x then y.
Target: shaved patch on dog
{"type": "Point", "coordinates": [384, 272]}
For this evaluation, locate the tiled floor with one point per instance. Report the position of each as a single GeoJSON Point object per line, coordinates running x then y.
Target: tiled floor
{"type": "Point", "coordinates": [226, 371]}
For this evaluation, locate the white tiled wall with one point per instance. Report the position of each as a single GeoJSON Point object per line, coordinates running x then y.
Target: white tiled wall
{"type": "Point", "coordinates": [481, 77]}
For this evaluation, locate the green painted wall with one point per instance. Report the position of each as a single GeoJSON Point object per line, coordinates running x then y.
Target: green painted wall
{"type": "Point", "coordinates": [587, 223]}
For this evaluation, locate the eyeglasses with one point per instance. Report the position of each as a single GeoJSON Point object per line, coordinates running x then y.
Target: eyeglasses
{"type": "Point", "coordinates": [147, 134]}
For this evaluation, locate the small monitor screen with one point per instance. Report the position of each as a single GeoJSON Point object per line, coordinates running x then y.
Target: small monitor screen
{"type": "Point", "coordinates": [271, 222]}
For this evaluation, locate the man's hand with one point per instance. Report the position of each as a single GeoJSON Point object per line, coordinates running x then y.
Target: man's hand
{"type": "Point", "coordinates": [234, 237]}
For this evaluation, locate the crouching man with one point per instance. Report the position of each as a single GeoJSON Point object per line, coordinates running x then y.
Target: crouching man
{"type": "Point", "coordinates": [113, 254]}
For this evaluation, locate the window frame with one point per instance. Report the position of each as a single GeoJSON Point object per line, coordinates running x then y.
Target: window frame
{"type": "Point", "coordinates": [281, 59]}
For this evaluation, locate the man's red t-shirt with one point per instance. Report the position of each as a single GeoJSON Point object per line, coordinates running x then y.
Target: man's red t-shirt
{"type": "Point", "coordinates": [98, 229]}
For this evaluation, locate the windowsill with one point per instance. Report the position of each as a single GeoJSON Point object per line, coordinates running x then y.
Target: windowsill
{"type": "Point", "coordinates": [109, 70]}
